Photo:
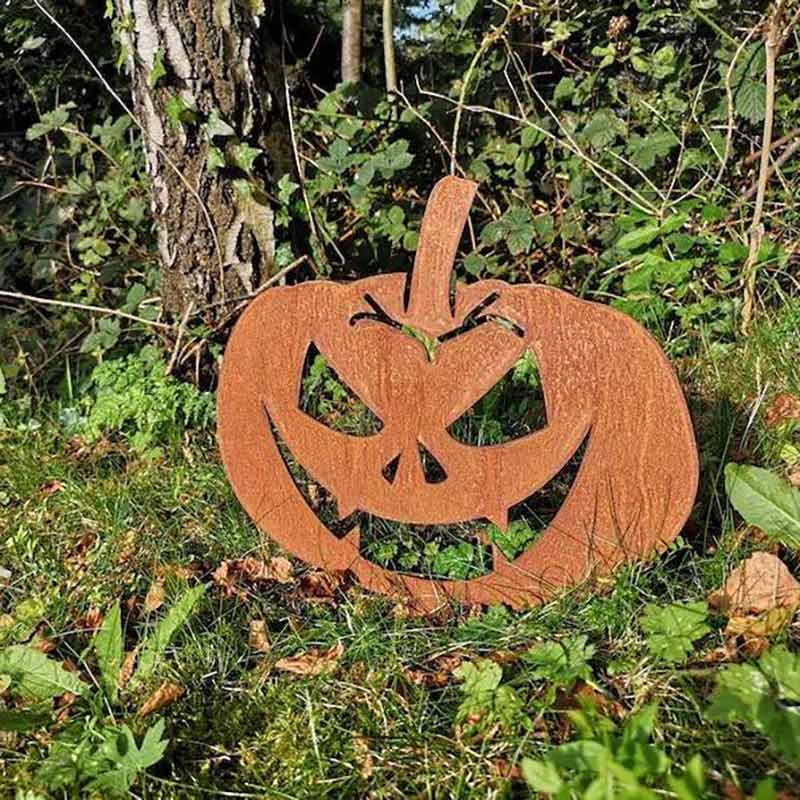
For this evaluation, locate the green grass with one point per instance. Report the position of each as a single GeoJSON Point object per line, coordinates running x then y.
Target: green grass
{"type": "Point", "coordinates": [85, 526]}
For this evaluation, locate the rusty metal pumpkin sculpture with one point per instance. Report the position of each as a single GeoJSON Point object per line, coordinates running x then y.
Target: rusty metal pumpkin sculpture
{"type": "Point", "coordinates": [605, 382]}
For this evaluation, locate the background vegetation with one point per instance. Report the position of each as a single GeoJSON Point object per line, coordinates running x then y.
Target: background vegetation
{"type": "Point", "coordinates": [151, 643]}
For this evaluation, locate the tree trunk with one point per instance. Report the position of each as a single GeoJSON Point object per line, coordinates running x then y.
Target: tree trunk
{"type": "Point", "coordinates": [390, 67]}
{"type": "Point", "coordinates": [208, 89]}
{"type": "Point", "coordinates": [351, 41]}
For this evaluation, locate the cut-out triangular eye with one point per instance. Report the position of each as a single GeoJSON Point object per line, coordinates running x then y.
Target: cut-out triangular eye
{"type": "Point", "coordinates": [514, 407]}
{"type": "Point", "coordinates": [325, 397]}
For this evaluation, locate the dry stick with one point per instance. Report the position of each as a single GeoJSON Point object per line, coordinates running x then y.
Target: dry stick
{"type": "Point", "coordinates": [46, 301]}
{"type": "Point", "coordinates": [777, 143]}
{"type": "Point", "coordinates": [777, 164]}
{"type": "Point", "coordinates": [181, 329]}
{"type": "Point", "coordinates": [173, 166]}
{"type": "Point", "coordinates": [771, 43]}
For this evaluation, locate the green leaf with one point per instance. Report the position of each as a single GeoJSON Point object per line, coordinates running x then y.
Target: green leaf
{"type": "Point", "coordinates": [158, 71]}
{"type": "Point", "coordinates": [603, 128]}
{"type": "Point", "coordinates": [215, 159]}
{"type": "Point", "coordinates": [22, 720]}
{"type": "Point", "coordinates": [33, 674]}
{"type": "Point", "coordinates": [464, 8]}
{"type": "Point", "coordinates": [156, 644]}
{"type": "Point", "coordinates": [127, 758]}
{"type": "Point", "coordinates": [50, 121]}
{"type": "Point", "coordinates": [541, 776]}
{"type": "Point", "coordinates": [690, 784]}
{"type": "Point", "coordinates": [638, 237]}
{"type": "Point", "coordinates": [765, 500]}
{"type": "Point", "coordinates": [732, 253]}
{"type": "Point", "coordinates": [644, 151]}
{"type": "Point", "coordinates": [750, 100]}
{"type": "Point", "coordinates": [244, 156]}
{"type": "Point", "coordinates": [763, 698]}
{"type": "Point", "coordinates": [216, 126]}
{"type": "Point", "coordinates": [108, 647]}
{"type": "Point", "coordinates": [672, 629]}
{"type": "Point", "coordinates": [562, 662]}
{"type": "Point", "coordinates": [564, 90]}
{"type": "Point", "coordinates": [515, 227]}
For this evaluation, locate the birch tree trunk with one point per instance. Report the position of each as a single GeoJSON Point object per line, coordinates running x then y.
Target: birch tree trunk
{"type": "Point", "coordinates": [389, 62]}
{"type": "Point", "coordinates": [352, 11]}
{"type": "Point", "coordinates": [208, 89]}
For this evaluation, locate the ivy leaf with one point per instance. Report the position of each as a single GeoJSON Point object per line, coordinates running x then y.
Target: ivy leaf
{"type": "Point", "coordinates": [672, 629]}
{"type": "Point", "coordinates": [33, 674]}
{"type": "Point", "coordinates": [159, 70]}
{"type": "Point", "coordinates": [244, 156]}
{"type": "Point", "coordinates": [216, 126]}
{"type": "Point", "coordinates": [765, 500]}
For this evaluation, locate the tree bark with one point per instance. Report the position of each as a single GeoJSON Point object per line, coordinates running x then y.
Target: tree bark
{"type": "Point", "coordinates": [351, 40]}
{"type": "Point", "coordinates": [390, 67]}
{"type": "Point", "coordinates": [208, 90]}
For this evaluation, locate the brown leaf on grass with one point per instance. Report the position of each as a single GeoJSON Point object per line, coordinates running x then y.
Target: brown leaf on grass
{"type": "Point", "coordinates": [361, 746]}
{"type": "Point", "coordinates": [128, 666]}
{"type": "Point", "coordinates": [759, 584]}
{"type": "Point", "coordinates": [439, 674]}
{"type": "Point", "coordinates": [259, 641]}
{"type": "Point", "coordinates": [759, 598]}
{"type": "Point", "coordinates": [312, 662]}
{"type": "Point", "coordinates": [783, 408]}
{"type": "Point", "coordinates": [584, 694]}
{"type": "Point", "coordinates": [231, 574]}
{"type": "Point", "coordinates": [51, 487]}
{"type": "Point", "coordinates": [155, 596]}
{"type": "Point", "coordinates": [320, 586]}
{"type": "Point", "coordinates": [794, 475]}
{"type": "Point", "coordinates": [165, 695]}
{"type": "Point", "coordinates": [505, 769]}
{"type": "Point", "coordinates": [92, 619]}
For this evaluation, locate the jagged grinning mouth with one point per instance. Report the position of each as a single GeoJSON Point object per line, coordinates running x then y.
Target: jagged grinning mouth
{"type": "Point", "coordinates": [364, 522]}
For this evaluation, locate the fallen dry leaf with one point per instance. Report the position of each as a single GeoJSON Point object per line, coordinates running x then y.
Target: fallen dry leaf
{"type": "Point", "coordinates": [794, 475]}
{"type": "Point", "coordinates": [320, 586]}
{"type": "Point", "coordinates": [783, 408]}
{"type": "Point", "coordinates": [165, 695]}
{"type": "Point", "coordinates": [759, 598]}
{"type": "Point", "coordinates": [759, 584]}
{"type": "Point", "coordinates": [259, 641]}
{"type": "Point", "coordinates": [51, 487]}
{"type": "Point", "coordinates": [230, 574]}
{"type": "Point", "coordinates": [364, 755]}
{"type": "Point", "coordinates": [439, 674]}
{"type": "Point", "coordinates": [128, 666]}
{"type": "Point", "coordinates": [155, 596]}
{"type": "Point", "coordinates": [505, 769]}
{"type": "Point", "coordinates": [312, 662]}
{"type": "Point", "coordinates": [92, 619]}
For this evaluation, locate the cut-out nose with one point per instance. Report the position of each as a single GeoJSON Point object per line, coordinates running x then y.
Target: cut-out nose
{"type": "Point", "coordinates": [427, 464]}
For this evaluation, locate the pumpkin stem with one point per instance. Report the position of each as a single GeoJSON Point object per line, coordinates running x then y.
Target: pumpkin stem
{"type": "Point", "coordinates": [445, 216]}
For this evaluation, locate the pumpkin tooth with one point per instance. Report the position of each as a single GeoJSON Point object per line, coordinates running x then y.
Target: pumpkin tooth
{"type": "Point", "coordinates": [353, 538]}
{"type": "Point", "coordinates": [345, 507]}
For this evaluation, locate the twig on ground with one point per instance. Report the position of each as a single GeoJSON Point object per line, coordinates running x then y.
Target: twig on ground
{"type": "Point", "coordinates": [113, 312]}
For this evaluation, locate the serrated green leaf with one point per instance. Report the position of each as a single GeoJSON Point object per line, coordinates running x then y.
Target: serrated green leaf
{"type": "Point", "coordinates": [672, 629]}
{"type": "Point", "coordinates": [765, 500]}
{"type": "Point", "coordinates": [750, 100]}
{"type": "Point", "coordinates": [644, 151]}
{"type": "Point", "coordinates": [33, 674]}
{"type": "Point", "coordinates": [562, 662]}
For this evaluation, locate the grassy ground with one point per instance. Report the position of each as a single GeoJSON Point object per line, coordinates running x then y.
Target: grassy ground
{"type": "Point", "coordinates": [86, 524]}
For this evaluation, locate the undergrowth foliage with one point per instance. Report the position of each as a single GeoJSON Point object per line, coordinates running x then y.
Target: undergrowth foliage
{"type": "Point", "coordinates": [150, 642]}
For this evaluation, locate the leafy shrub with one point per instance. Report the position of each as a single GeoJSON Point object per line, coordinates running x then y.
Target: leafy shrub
{"type": "Point", "coordinates": [135, 398]}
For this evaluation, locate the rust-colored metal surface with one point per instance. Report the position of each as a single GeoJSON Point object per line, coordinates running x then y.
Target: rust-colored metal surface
{"type": "Point", "coordinates": [605, 381]}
